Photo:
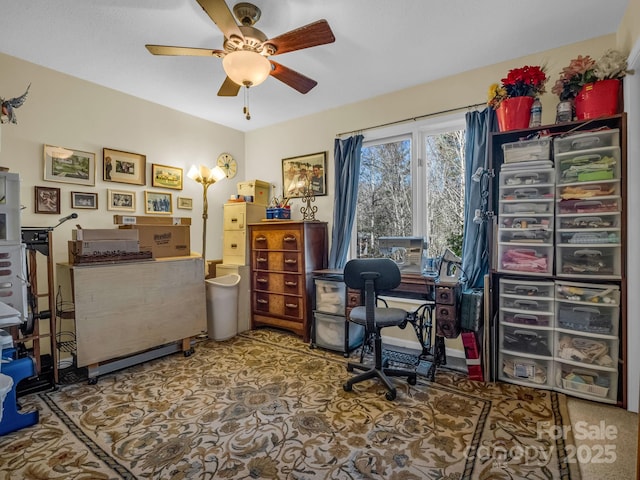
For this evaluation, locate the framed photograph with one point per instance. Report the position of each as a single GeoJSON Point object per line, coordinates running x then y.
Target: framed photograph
{"type": "Point", "coordinates": [122, 200]}
{"type": "Point", "coordinates": [47, 200]}
{"type": "Point", "coordinates": [67, 165]}
{"type": "Point", "coordinates": [158, 202]}
{"type": "Point", "coordinates": [166, 177]}
{"type": "Point", "coordinates": [84, 200]}
{"type": "Point", "coordinates": [307, 172]}
{"type": "Point", "coordinates": [123, 167]}
{"type": "Point", "coordinates": [185, 203]}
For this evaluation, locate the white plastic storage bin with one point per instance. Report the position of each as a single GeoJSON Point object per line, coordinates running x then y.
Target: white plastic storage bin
{"type": "Point", "coordinates": [527, 305]}
{"type": "Point", "coordinates": [588, 261]}
{"type": "Point", "coordinates": [586, 141]}
{"type": "Point", "coordinates": [590, 205]}
{"type": "Point", "coordinates": [588, 293]}
{"type": "Point", "coordinates": [589, 383]}
{"type": "Point", "coordinates": [526, 207]}
{"type": "Point", "coordinates": [589, 237]}
{"type": "Point", "coordinates": [527, 192]}
{"type": "Point", "coordinates": [588, 221]}
{"type": "Point", "coordinates": [527, 340]}
{"type": "Point", "coordinates": [527, 150]}
{"type": "Point", "coordinates": [586, 350]}
{"type": "Point", "coordinates": [330, 296]}
{"type": "Point", "coordinates": [535, 319]}
{"type": "Point", "coordinates": [530, 259]}
{"type": "Point", "coordinates": [586, 308]}
{"type": "Point", "coordinates": [526, 288]}
{"type": "Point", "coordinates": [330, 332]}
{"type": "Point", "coordinates": [535, 222]}
{"type": "Point", "coordinates": [588, 165]}
{"type": "Point", "coordinates": [537, 372]}
{"type": "Point", "coordinates": [591, 190]}
{"type": "Point", "coordinates": [525, 235]}
{"type": "Point", "coordinates": [520, 178]}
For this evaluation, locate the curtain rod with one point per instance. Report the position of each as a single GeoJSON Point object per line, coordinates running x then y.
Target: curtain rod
{"type": "Point", "coordinates": [412, 119]}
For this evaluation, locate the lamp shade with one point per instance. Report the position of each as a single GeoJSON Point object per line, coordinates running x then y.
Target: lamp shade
{"type": "Point", "coordinates": [247, 68]}
{"type": "Point", "coordinates": [204, 174]}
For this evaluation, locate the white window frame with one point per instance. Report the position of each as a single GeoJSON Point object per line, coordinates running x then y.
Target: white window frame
{"type": "Point", "coordinates": [417, 132]}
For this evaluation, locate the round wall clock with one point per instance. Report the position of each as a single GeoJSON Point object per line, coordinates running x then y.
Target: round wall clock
{"type": "Point", "coordinates": [227, 163]}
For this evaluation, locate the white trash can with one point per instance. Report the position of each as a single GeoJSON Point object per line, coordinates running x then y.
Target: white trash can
{"type": "Point", "coordinates": [222, 306]}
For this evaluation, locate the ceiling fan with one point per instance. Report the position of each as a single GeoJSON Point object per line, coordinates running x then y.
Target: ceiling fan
{"type": "Point", "coordinates": [246, 49]}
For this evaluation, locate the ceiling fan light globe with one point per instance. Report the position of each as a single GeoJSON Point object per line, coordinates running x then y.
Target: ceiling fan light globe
{"type": "Point", "coordinates": [247, 68]}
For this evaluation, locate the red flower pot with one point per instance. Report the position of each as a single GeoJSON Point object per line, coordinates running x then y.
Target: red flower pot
{"type": "Point", "coordinates": [514, 113]}
{"type": "Point", "coordinates": [597, 99]}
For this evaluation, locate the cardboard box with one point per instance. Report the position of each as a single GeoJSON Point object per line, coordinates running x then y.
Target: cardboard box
{"type": "Point", "coordinates": [149, 220]}
{"type": "Point", "coordinates": [99, 247]}
{"type": "Point", "coordinates": [87, 234]}
{"type": "Point", "coordinates": [258, 189]}
{"type": "Point", "coordinates": [164, 240]}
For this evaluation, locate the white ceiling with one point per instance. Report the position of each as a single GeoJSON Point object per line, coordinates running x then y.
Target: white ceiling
{"type": "Point", "coordinates": [381, 46]}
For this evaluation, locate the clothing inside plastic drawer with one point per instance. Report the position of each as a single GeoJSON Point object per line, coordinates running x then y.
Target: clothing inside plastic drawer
{"type": "Point", "coordinates": [533, 319]}
{"type": "Point", "coordinates": [595, 294]}
{"type": "Point", "coordinates": [591, 190]}
{"type": "Point", "coordinates": [601, 164]}
{"type": "Point", "coordinates": [525, 222]}
{"type": "Point", "coordinates": [527, 340]}
{"type": "Point", "coordinates": [588, 261]}
{"type": "Point", "coordinates": [516, 178]}
{"type": "Point", "coordinates": [585, 318]}
{"type": "Point", "coordinates": [588, 350]}
{"type": "Point", "coordinates": [590, 237]}
{"type": "Point", "coordinates": [596, 221]}
{"type": "Point", "coordinates": [533, 260]}
{"type": "Point", "coordinates": [586, 141]}
{"type": "Point", "coordinates": [589, 206]}
{"type": "Point", "coordinates": [585, 381]}
{"type": "Point", "coordinates": [525, 208]}
{"type": "Point", "coordinates": [525, 288]}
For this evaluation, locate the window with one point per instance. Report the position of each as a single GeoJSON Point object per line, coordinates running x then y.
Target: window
{"type": "Point", "coordinates": [412, 184]}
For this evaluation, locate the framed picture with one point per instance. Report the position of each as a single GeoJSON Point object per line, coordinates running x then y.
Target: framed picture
{"type": "Point", "coordinates": [166, 177]}
{"type": "Point", "coordinates": [158, 202]}
{"type": "Point", "coordinates": [123, 200]}
{"type": "Point", "coordinates": [66, 165]}
{"type": "Point", "coordinates": [185, 203]}
{"type": "Point", "coordinates": [84, 200]}
{"type": "Point", "coordinates": [300, 174]}
{"type": "Point", "coordinates": [123, 167]}
{"type": "Point", "coordinates": [47, 200]}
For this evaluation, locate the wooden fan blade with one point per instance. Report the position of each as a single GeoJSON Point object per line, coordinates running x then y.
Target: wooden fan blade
{"type": "Point", "coordinates": [184, 51]}
{"type": "Point", "coordinates": [228, 88]}
{"type": "Point", "coordinates": [292, 78]}
{"type": "Point", "coordinates": [219, 12]}
{"type": "Point", "coordinates": [316, 33]}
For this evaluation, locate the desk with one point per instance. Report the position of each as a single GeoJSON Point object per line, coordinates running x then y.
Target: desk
{"type": "Point", "coordinates": [128, 309]}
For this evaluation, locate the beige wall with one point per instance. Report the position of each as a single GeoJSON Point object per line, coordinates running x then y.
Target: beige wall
{"type": "Point", "coordinates": [65, 111]}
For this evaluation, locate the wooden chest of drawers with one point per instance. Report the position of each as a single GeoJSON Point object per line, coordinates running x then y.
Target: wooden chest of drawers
{"type": "Point", "coordinates": [283, 257]}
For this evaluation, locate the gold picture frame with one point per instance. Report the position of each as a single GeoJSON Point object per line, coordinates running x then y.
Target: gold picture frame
{"type": "Point", "coordinates": [185, 203]}
{"type": "Point", "coordinates": [123, 167]}
{"type": "Point", "coordinates": [121, 200]}
{"type": "Point", "coordinates": [304, 172]}
{"type": "Point", "coordinates": [158, 203]}
{"type": "Point", "coordinates": [164, 176]}
{"type": "Point", "coordinates": [67, 165]}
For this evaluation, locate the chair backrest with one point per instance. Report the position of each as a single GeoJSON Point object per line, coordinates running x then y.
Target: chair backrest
{"type": "Point", "coordinates": [389, 273]}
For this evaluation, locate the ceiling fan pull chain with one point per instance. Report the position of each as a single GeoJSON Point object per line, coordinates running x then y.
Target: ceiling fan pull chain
{"type": "Point", "coordinates": [245, 110]}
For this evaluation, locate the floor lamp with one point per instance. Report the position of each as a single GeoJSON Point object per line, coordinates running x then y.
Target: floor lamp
{"type": "Point", "coordinates": [206, 177]}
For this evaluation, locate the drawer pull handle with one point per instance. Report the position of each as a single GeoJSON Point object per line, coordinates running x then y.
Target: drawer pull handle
{"type": "Point", "coordinates": [291, 305]}
{"type": "Point", "coordinates": [262, 280]}
{"type": "Point", "coordinates": [261, 259]}
{"type": "Point", "coordinates": [292, 261]}
{"type": "Point", "coordinates": [289, 239]}
{"type": "Point", "coordinates": [261, 239]}
{"type": "Point", "coordinates": [291, 284]}
{"type": "Point", "coordinates": [234, 245]}
{"type": "Point", "coordinates": [264, 302]}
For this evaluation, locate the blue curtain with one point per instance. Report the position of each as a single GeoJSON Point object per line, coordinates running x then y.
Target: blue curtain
{"type": "Point", "coordinates": [346, 155]}
{"type": "Point", "coordinates": [475, 254]}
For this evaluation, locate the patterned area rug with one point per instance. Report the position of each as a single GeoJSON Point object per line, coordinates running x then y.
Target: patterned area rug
{"type": "Point", "coordinates": [263, 405]}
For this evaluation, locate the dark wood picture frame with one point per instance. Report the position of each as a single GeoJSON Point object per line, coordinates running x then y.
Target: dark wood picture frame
{"type": "Point", "coordinates": [123, 167]}
{"type": "Point", "coordinates": [87, 200]}
{"type": "Point", "coordinates": [299, 174]}
{"type": "Point", "coordinates": [47, 200]}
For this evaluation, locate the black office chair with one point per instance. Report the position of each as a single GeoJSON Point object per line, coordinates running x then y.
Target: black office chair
{"type": "Point", "coordinates": [374, 275]}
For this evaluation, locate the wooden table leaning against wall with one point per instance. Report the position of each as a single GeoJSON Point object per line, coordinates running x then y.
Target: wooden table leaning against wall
{"type": "Point", "coordinates": [127, 313]}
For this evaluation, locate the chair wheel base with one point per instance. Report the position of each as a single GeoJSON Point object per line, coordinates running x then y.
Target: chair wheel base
{"type": "Point", "coordinates": [390, 395]}
{"type": "Point", "coordinates": [412, 380]}
{"type": "Point", "coordinates": [347, 387]}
